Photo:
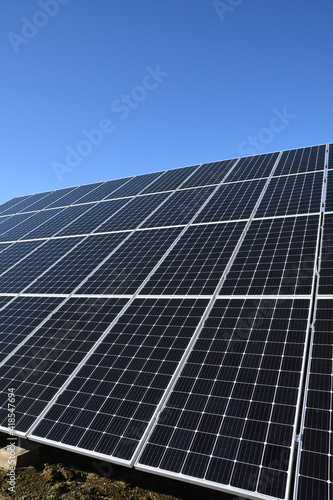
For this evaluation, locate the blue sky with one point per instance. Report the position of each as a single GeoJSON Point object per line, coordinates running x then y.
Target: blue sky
{"type": "Point", "coordinates": [165, 83]}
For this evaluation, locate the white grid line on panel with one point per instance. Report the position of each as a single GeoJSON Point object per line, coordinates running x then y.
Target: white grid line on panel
{"type": "Point", "coordinates": [315, 298]}
{"type": "Point", "coordinates": [100, 340]}
{"type": "Point", "coordinates": [104, 260]}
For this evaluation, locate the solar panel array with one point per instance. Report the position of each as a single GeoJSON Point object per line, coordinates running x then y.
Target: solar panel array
{"type": "Point", "coordinates": [166, 321]}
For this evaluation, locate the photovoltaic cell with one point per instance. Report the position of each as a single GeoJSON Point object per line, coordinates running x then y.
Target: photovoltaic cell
{"type": "Point", "coordinates": [294, 194]}
{"type": "Point", "coordinates": [22, 230]}
{"type": "Point", "coordinates": [134, 213]}
{"type": "Point", "coordinates": [277, 256]}
{"type": "Point", "coordinates": [20, 318]}
{"type": "Point", "coordinates": [108, 405]}
{"type": "Point", "coordinates": [49, 199]}
{"type": "Point", "coordinates": [253, 167]}
{"type": "Point", "coordinates": [25, 203]}
{"type": "Point", "coordinates": [74, 195]}
{"type": "Point", "coordinates": [179, 208]}
{"type": "Point", "coordinates": [3, 219]}
{"type": "Point", "coordinates": [301, 160]}
{"type": "Point", "coordinates": [102, 191]}
{"type": "Point", "coordinates": [93, 217]}
{"type": "Point", "coordinates": [68, 273]}
{"type": "Point", "coordinates": [58, 222]}
{"type": "Point", "coordinates": [44, 362]}
{"type": "Point", "coordinates": [315, 472]}
{"type": "Point", "coordinates": [12, 203]}
{"type": "Point", "coordinates": [15, 252]}
{"type": "Point", "coordinates": [232, 201]}
{"type": "Point", "coordinates": [105, 371]}
{"type": "Point", "coordinates": [170, 180]}
{"type": "Point", "coordinates": [3, 246]}
{"type": "Point", "coordinates": [135, 185]}
{"type": "Point", "coordinates": [196, 264]}
{"type": "Point", "coordinates": [326, 260]}
{"type": "Point", "coordinates": [4, 300]}
{"type": "Point", "coordinates": [209, 173]}
{"type": "Point", "coordinates": [130, 265]}
{"type": "Point", "coordinates": [329, 193]}
{"type": "Point", "coordinates": [12, 222]}
{"type": "Point", "coordinates": [16, 279]}
{"type": "Point", "coordinates": [229, 420]}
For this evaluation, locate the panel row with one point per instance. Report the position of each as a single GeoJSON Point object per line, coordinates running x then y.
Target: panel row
{"type": "Point", "coordinates": [289, 195]}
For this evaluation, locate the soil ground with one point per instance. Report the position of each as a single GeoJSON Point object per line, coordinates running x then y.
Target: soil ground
{"type": "Point", "coordinates": [61, 475]}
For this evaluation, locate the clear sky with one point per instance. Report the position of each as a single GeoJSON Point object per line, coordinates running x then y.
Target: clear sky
{"type": "Point", "coordinates": [168, 83]}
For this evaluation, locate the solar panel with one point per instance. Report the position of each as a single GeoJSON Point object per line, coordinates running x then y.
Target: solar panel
{"type": "Point", "coordinates": [210, 173]}
{"type": "Point", "coordinates": [230, 418]}
{"type": "Point", "coordinates": [25, 203]}
{"type": "Point", "coordinates": [164, 321]}
{"type": "Point", "coordinates": [302, 160]}
{"type": "Point", "coordinates": [276, 257]}
{"type": "Point", "coordinates": [102, 191]}
{"type": "Point", "coordinates": [134, 213]}
{"type": "Point", "coordinates": [74, 195]}
{"type": "Point", "coordinates": [330, 157]}
{"type": "Point", "coordinates": [3, 246]}
{"type": "Point", "coordinates": [4, 300]}
{"type": "Point", "coordinates": [3, 219]}
{"type": "Point", "coordinates": [253, 167]}
{"type": "Point", "coordinates": [329, 193]}
{"type": "Point", "coordinates": [293, 194]}
{"type": "Point", "coordinates": [13, 253]}
{"type": "Point", "coordinates": [68, 273]}
{"type": "Point", "coordinates": [179, 208]}
{"type": "Point", "coordinates": [136, 185]}
{"type": "Point", "coordinates": [12, 203]}
{"type": "Point", "coordinates": [35, 220]}
{"type": "Point", "coordinates": [18, 277]}
{"type": "Point", "coordinates": [107, 406]}
{"type": "Point", "coordinates": [13, 221]}
{"type": "Point", "coordinates": [232, 201]}
{"type": "Point", "coordinates": [170, 180]}
{"type": "Point", "coordinates": [196, 263]}
{"type": "Point", "coordinates": [131, 264]}
{"type": "Point", "coordinates": [95, 215]}
{"type": "Point", "coordinates": [49, 199]}
{"type": "Point", "coordinates": [315, 457]}
{"type": "Point", "coordinates": [65, 216]}
{"type": "Point", "coordinates": [20, 318]}
{"type": "Point", "coordinates": [40, 366]}
{"type": "Point", "coordinates": [326, 261]}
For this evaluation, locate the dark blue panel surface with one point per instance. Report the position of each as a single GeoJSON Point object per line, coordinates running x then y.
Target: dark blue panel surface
{"type": "Point", "coordinates": [253, 167]}
{"type": "Point", "coordinates": [107, 406]}
{"type": "Point", "coordinates": [196, 264]}
{"type": "Point", "coordinates": [209, 173]}
{"type": "Point", "coordinates": [315, 453]}
{"type": "Point", "coordinates": [39, 368]}
{"type": "Point", "coordinates": [277, 257]}
{"type": "Point", "coordinates": [19, 318]}
{"type": "Point", "coordinates": [130, 265]}
{"type": "Point", "coordinates": [230, 416]}
{"type": "Point", "coordinates": [68, 273]}
{"type": "Point", "coordinates": [16, 279]}
{"type": "Point", "coordinates": [300, 160]}
{"type": "Point", "coordinates": [294, 194]}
